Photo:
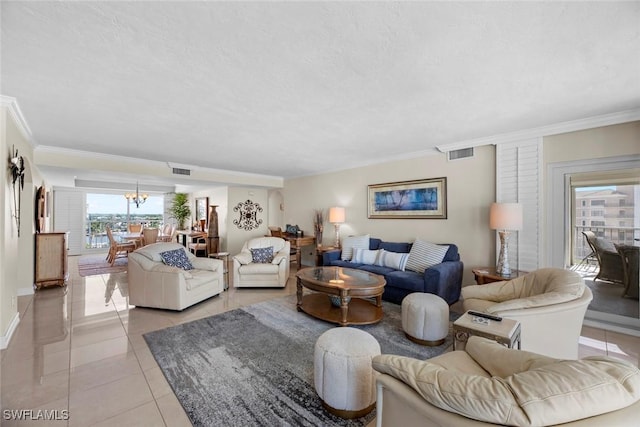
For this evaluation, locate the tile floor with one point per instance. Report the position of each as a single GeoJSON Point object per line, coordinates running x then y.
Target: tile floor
{"type": "Point", "coordinates": [80, 349]}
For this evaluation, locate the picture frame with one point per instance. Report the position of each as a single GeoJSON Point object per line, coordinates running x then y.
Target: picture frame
{"type": "Point", "coordinates": [417, 199]}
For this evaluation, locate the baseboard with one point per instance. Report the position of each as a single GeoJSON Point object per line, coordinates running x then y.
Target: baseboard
{"type": "Point", "coordinates": [5, 339]}
{"type": "Point", "coordinates": [25, 291]}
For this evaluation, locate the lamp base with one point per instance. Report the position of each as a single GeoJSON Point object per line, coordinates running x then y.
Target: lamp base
{"type": "Point", "coordinates": [502, 267]}
{"type": "Point", "coordinates": [336, 243]}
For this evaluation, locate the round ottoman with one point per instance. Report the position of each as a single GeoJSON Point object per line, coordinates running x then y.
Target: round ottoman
{"type": "Point", "coordinates": [425, 318]}
{"type": "Point", "coordinates": [342, 372]}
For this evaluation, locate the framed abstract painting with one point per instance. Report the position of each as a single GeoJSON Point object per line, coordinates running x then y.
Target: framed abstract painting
{"type": "Point", "coordinates": [422, 198]}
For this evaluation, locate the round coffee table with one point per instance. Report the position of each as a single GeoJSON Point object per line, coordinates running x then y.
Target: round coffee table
{"type": "Point", "coordinates": [339, 293]}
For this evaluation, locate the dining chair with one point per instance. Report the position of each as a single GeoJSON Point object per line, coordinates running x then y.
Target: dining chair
{"type": "Point", "coordinates": [134, 228]}
{"type": "Point", "coordinates": [198, 244]}
{"type": "Point", "coordinates": [118, 249]}
{"type": "Point", "coordinates": [149, 235]}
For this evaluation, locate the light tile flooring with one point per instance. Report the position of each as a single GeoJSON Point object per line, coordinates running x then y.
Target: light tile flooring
{"type": "Point", "coordinates": [81, 349]}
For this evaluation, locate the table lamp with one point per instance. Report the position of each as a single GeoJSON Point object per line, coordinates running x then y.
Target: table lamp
{"type": "Point", "coordinates": [505, 217]}
{"type": "Point", "coordinates": [337, 216]}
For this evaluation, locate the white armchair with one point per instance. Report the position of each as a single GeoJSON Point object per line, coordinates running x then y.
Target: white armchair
{"type": "Point", "coordinates": [549, 303]}
{"type": "Point", "coordinates": [155, 284]}
{"type": "Point", "coordinates": [247, 273]}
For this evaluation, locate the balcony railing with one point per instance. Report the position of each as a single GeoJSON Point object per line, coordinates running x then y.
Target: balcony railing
{"type": "Point", "coordinates": [96, 231]}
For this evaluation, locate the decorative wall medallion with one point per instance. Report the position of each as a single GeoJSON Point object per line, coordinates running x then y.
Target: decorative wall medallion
{"type": "Point", "coordinates": [248, 219]}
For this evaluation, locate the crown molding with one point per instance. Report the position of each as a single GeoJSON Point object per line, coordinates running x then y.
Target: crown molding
{"type": "Point", "coordinates": [11, 104]}
{"type": "Point", "coordinates": [553, 129]}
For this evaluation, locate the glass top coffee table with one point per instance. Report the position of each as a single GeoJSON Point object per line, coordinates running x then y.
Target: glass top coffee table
{"type": "Point", "coordinates": [339, 295]}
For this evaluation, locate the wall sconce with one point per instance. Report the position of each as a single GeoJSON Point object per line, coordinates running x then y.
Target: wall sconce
{"type": "Point", "coordinates": [505, 217]}
{"type": "Point", "coordinates": [337, 216]}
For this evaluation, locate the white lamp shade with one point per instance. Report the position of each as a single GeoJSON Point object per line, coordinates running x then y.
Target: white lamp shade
{"type": "Point", "coordinates": [337, 215]}
{"type": "Point", "coordinates": [505, 216]}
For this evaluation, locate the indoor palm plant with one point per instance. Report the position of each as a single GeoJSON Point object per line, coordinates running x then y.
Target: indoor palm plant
{"type": "Point", "coordinates": [180, 209]}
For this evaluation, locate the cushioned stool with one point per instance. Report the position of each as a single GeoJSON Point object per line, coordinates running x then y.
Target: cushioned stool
{"type": "Point", "coordinates": [425, 318]}
{"type": "Point", "coordinates": [343, 376]}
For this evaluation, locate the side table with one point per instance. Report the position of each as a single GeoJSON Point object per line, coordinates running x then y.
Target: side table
{"type": "Point", "coordinates": [224, 257]}
{"type": "Point", "coordinates": [484, 275]}
{"type": "Point", "coordinates": [506, 332]}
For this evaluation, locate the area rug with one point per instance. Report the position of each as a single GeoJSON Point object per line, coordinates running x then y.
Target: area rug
{"type": "Point", "coordinates": [91, 265]}
{"type": "Point", "coordinates": [253, 366]}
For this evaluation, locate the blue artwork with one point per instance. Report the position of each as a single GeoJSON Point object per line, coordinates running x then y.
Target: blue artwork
{"type": "Point", "coordinates": [417, 199]}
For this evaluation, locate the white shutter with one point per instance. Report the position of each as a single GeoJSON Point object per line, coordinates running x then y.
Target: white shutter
{"type": "Point", "coordinates": [518, 179]}
{"type": "Point", "coordinates": [68, 215]}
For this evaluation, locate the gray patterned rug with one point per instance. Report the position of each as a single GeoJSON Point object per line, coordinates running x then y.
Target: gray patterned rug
{"type": "Point", "coordinates": [254, 366]}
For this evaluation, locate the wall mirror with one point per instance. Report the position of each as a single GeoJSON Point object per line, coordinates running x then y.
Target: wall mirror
{"type": "Point", "coordinates": [202, 208]}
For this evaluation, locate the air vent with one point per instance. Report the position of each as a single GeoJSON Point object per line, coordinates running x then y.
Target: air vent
{"type": "Point", "coordinates": [465, 153]}
{"type": "Point", "coordinates": [180, 171]}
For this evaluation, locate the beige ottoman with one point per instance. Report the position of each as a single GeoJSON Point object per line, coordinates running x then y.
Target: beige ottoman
{"type": "Point", "coordinates": [425, 318]}
{"type": "Point", "coordinates": [343, 376]}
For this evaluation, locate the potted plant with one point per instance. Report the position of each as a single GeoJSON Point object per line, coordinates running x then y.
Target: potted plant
{"type": "Point", "coordinates": [180, 209]}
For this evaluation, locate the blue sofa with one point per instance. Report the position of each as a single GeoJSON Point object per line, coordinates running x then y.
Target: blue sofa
{"type": "Point", "coordinates": [444, 279]}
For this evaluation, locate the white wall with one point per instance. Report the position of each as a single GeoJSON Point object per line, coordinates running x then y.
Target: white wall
{"type": "Point", "coordinates": [237, 236]}
{"type": "Point", "coordinates": [16, 252]}
{"type": "Point", "coordinates": [470, 191]}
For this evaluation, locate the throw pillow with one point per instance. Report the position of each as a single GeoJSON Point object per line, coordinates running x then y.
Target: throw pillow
{"type": "Point", "coordinates": [364, 256]}
{"type": "Point", "coordinates": [262, 255]}
{"type": "Point", "coordinates": [176, 258]}
{"type": "Point", "coordinates": [424, 255]}
{"type": "Point", "coordinates": [351, 242]}
{"type": "Point", "coordinates": [395, 260]}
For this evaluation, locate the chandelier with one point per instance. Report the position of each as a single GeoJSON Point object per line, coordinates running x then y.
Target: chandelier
{"type": "Point", "coordinates": [136, 198]}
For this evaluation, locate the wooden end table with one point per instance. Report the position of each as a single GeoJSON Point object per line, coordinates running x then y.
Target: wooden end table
{"type": "Point", "coordinates": [346, 287]}
{"type": "Point", "coordinates": [484, 275]}
{"type": "Point", "coordinates": [506, 332]}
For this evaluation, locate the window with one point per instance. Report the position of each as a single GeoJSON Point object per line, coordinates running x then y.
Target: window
{"type": "Point", "coordinates": [597, 202]}
{"type": "Point", "coordinates": [597, 212]}
{"type": "Point", "coordinates": [114, 211]}
{"type": "Point", "coordinates": [622, 202]}
{"type": "Point", "coordinates": [597, 223]}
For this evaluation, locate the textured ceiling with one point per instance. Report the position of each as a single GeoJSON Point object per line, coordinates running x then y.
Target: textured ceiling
{"type": "Point", "coordinates": [291, 89]}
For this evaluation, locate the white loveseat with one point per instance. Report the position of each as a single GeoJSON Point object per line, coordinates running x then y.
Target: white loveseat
{"type": "Point", "coordinates": [155, 284]}
{"type": "Point", "coordinates": [488, 384]}
{"type": "Point", "coordinates": [247, 273]}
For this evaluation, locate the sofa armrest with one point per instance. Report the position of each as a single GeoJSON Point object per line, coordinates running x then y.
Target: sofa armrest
{"type": "Point", "coordinates": [329, 256]}
{"type": "Point", "coordinates": [210, 264]}
{"type": "Point", "coordinates": [444, 280]}
{"type": "Point", "coordinates": [243, 258]}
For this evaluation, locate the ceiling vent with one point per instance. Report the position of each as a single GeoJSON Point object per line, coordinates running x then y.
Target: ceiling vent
{"type": "Point", "coordinates": [180, 171]}
{"type": "Point", "coordinates": [464, 153]}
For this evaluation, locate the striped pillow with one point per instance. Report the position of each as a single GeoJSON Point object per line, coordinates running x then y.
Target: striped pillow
{"type": "Point", "coordinates": [396, 260]}
{"type": "Point", "coordinates": [424, 255]}
{"type": "Point", "coordinates": [364, 256]}
{"type": "Point", "coordinates": [351, 242]}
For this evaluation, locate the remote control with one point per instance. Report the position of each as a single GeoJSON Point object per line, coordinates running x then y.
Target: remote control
{"type": "Point", "coordinates": [485, 315]}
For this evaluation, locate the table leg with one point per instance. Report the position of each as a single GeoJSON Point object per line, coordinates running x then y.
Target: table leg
{"type": "Point", "coordinates": [379, 301]}
{"type": "Point", "coordinates": [298, 257]}
{"type": "Point", "coordinates": [299, 294]}
{"type": "Point", "coordinates": [344, 307]}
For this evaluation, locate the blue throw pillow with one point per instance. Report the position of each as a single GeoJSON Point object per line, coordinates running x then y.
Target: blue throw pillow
{"type": "Point", "coordinates": [262, 255]}
{"type": "Point", "coordinates": [176, 258]}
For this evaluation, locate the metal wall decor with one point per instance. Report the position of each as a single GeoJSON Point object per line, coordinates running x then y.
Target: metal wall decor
{"type": "Point", "coordinates": [248, 219]}
{"type": "Point", "coordinates": [16, 165]}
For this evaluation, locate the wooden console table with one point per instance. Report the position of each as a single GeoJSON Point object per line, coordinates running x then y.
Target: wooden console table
{"type": "Point", "coordinates": [297, 243]}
